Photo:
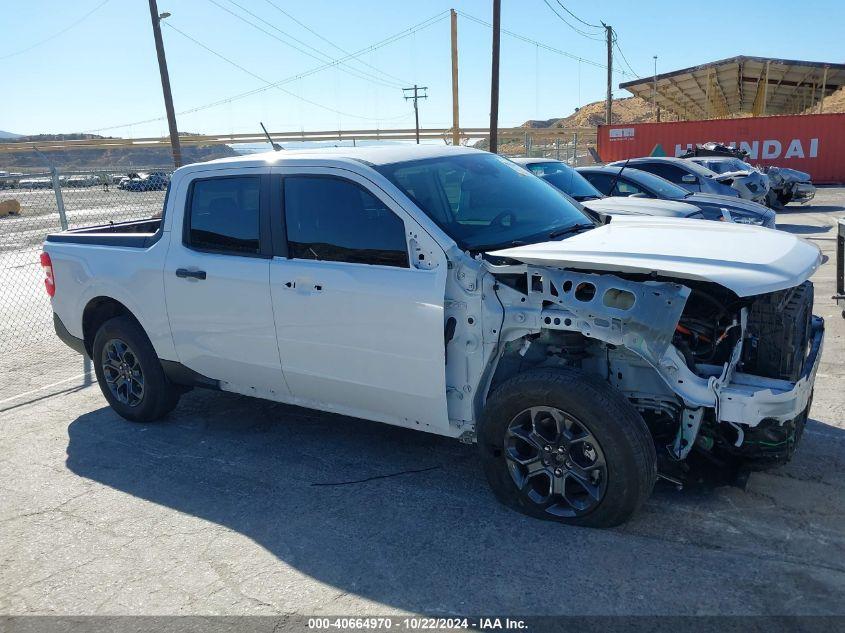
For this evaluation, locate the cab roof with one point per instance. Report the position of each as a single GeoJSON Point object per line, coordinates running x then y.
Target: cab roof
{"type": "Point", "coordinates": [372, 155]}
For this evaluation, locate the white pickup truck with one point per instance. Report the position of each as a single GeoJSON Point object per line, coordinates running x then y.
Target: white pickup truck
{"type": "Point", "coordinates": [448, 290]}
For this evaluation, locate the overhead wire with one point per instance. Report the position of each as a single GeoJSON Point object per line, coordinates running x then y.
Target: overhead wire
{"type": "Point", "coordinates": [425, 24]}
{"type": "Point", "coordinates": [57, 34]}
{"type": "Point", "coordinates": [625, 59]}
{"type": "Point", "coordinates": [562, 6]}
{"type": "Point", "coordinates": [319, 56]}
{"type": "Point", "coordinates": [333, 45]}
{"type": "Point", "coordinates": [271, 84]}
{"type": "Point", "coordinates": [542, 45]}
{"type": "Point", "coordinates": [589, 36]}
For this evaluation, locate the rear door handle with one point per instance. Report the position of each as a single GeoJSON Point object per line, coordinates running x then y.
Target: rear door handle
{"type": "Point", "coordinates": [193, 274]}
{"type": "Point", "coordinates": [304, 286]}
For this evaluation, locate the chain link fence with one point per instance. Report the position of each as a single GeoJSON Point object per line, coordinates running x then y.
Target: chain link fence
{"type": "Point", "coordinates": [33, 205]}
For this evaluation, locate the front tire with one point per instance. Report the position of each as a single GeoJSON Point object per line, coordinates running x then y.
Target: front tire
{"type": "Point", "coordinates": [561, 445]}
{"type": "Point", "coordinates": [129, 372]}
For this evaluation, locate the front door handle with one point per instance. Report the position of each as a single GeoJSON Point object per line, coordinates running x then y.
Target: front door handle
{"type": "Point", "coordinates": [193, 274]}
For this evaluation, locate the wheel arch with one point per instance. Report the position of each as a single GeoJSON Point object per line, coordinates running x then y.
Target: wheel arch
{"type": "Point", "coordinates": [99, 310]}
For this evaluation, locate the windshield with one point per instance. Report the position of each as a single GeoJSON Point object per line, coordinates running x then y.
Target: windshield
{"type": "Point", "coordinates": [661, 187]}
{"type": "Point", "coordinates": [484, 201]}
{"type": "Point", "coordinates": [566, 179]}
{"type": "Point", "coordinates": [725, 166]}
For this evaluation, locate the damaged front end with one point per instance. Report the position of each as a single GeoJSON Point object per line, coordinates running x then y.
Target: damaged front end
{"type": "Point", "coordinates": [728, 377]}
{"type": "Point", "coordinates": [789, 185]}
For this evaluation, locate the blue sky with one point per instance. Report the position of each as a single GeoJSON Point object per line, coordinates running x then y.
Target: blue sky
{"type": "Point", "coordinates": [102, 72]}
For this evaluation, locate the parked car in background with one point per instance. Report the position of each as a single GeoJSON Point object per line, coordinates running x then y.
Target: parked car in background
{"type": "Point", "coordinates": [788, 185]}
{"type": "Point", "coordinates": [81, 180]}
{"type": "Point", "coordinates": [684, 173]}
{"type": "Point", "coordinates": [749, 182]}
{"type": "Point", "coordinates": [627, 181]}
{"type": "Point", "coordinates": [35, 183]}
{"type": "Point", "coordinates": [785, 185]}
{"type": "Point", "coordinates": [141, 181]}
{"type": "Point", "coordinates": [448, 290]}
{"type": "Point", "coordinates": [566, 179]}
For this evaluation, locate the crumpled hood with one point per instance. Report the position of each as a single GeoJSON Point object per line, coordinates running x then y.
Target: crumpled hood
{"type": "Point", "coordinates": [641, 206]}
{"type": "Point", "coordinates": [728, 175]}
{"type": "Point", "coordinates": [788, 175]}
{"type": "Point", "coordinates": [748, 260]}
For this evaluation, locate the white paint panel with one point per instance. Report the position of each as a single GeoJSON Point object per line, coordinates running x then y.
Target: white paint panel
{"type": "Point", "coordinates": [746, 259]}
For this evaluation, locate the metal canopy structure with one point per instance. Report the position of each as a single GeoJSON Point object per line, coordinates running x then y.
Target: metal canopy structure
{"type": "Point", "coordinates": [755, 86]}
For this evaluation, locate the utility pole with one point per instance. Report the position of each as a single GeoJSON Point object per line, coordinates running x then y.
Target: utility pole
{"type": "Point", "coordinates": [416, 96]}
{"type": "Point", "coordinates": [608, 105]}
{"type": "Point", "coordinates": [456, 126]}
{"type": "Point", "coordinates": [175, 146]}
{"type": "Point", "coordinates": [494, 79]}
{"type": "Point", "coordinates": [654, 93]}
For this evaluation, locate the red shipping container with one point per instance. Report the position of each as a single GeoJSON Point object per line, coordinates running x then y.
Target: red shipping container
{"type": "Point", "coordinates": [814, 143]}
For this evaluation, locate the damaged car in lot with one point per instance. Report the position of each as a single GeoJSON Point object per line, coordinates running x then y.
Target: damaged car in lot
{"type": "Point", "coordinates": [788, 185]}
{"type": "Point", "coordinates": [697, 178]}
{"type": "Point", "coordinates": [751, 183]}
{"type": "Point", "coordinates": [785, 185]}
{"type": "Point", "coordinates": [448, 290]}
{"type": "Point", "coordinates": [635, 183]}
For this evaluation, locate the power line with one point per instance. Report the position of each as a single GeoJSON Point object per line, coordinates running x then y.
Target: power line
{"type": "Point", "coordinates": [595, 26]}
{"type": "Point", "coordinates": [322, 56]}
{"type": "Point", "coordinates": [542, 45]}
{"type": "Point", "coordinates": [55, 35]}
{"type": "Point", "coordinates": [330, 43]}
{"type": "Point", "coordinates": [589, 36]}
{"type": "Point", "coordinates": [269, 83]}
{"type": "Point", "coordinates": [625, 59]}
{"type": "Point", "coordinates": [242, 95]}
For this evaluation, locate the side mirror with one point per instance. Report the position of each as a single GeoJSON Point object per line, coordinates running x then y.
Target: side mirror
{"type": "Point", "coordinates": [689, 179]}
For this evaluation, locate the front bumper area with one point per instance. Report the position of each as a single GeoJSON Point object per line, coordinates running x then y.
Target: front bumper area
{"type": "Point", "coordinates": [803, 192]}
{"type": "Point", "coordinates": [751, 399]}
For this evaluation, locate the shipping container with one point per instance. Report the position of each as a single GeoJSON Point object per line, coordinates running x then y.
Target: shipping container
{"type": "Point", "coordinates": [814, 143]}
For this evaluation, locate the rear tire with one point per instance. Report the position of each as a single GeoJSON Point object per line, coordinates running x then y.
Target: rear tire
{"type": "Point", "coordinates": [561, 445]}
{"type": "Point", "coordinates": [129, 372]}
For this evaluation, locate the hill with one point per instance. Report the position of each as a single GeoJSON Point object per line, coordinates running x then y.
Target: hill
{"type": "Point", "coordinates": [117, 157]}
{"type": "Point", "coordinates": [625, 110]}
{"type": "Point", "coordinates": [9, 135]}
{"type": "Point", "coordinates": [832, 103]}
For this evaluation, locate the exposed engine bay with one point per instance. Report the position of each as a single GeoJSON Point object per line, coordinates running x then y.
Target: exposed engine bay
{"type": "Point", "coordinates": [722, 381]}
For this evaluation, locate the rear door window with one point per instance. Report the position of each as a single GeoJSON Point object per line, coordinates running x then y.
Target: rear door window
{"type": "Point", "coordinates": [602, 182]}
{"type": "Point", "coordinates": [627, 188]}
{"type": "Point", "coordinates": [671, 173]}
{"type": "Point", "coordinates": [334, 219]}
{"type": "Point", "coordinates": [224, 215]}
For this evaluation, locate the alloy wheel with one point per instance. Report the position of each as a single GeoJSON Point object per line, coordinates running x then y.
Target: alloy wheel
{"type": "Point", "coordinates": [122, 372]}
{"type": "Point", "coordinates": [555, 461]}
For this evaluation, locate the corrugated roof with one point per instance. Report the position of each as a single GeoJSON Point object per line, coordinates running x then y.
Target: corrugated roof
{"type": "Point", "coordinates": [741, 85]}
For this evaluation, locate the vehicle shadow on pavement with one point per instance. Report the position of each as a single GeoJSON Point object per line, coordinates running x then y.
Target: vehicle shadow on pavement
{"type": "Point", "coordinates": [803, 229]}
{"type": "Point", "coordinates": [405, 518]}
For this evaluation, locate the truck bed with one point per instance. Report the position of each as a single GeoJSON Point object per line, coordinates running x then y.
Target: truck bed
{"type": "Point", "coordinates": [133, 234]}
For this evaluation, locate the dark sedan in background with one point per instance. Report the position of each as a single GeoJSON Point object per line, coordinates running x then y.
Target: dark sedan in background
{"type": "Point", "coordinates": [627, 181]}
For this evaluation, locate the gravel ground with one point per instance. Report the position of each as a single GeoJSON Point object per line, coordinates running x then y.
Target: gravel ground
{"type": "Point", "coordinates": [238, 506]}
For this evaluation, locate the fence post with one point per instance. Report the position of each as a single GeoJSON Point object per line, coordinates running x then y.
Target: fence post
{"type": "Point", "coordinates": [60, 205]}
{"type": "Point", "coordinates": [60, 201]}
